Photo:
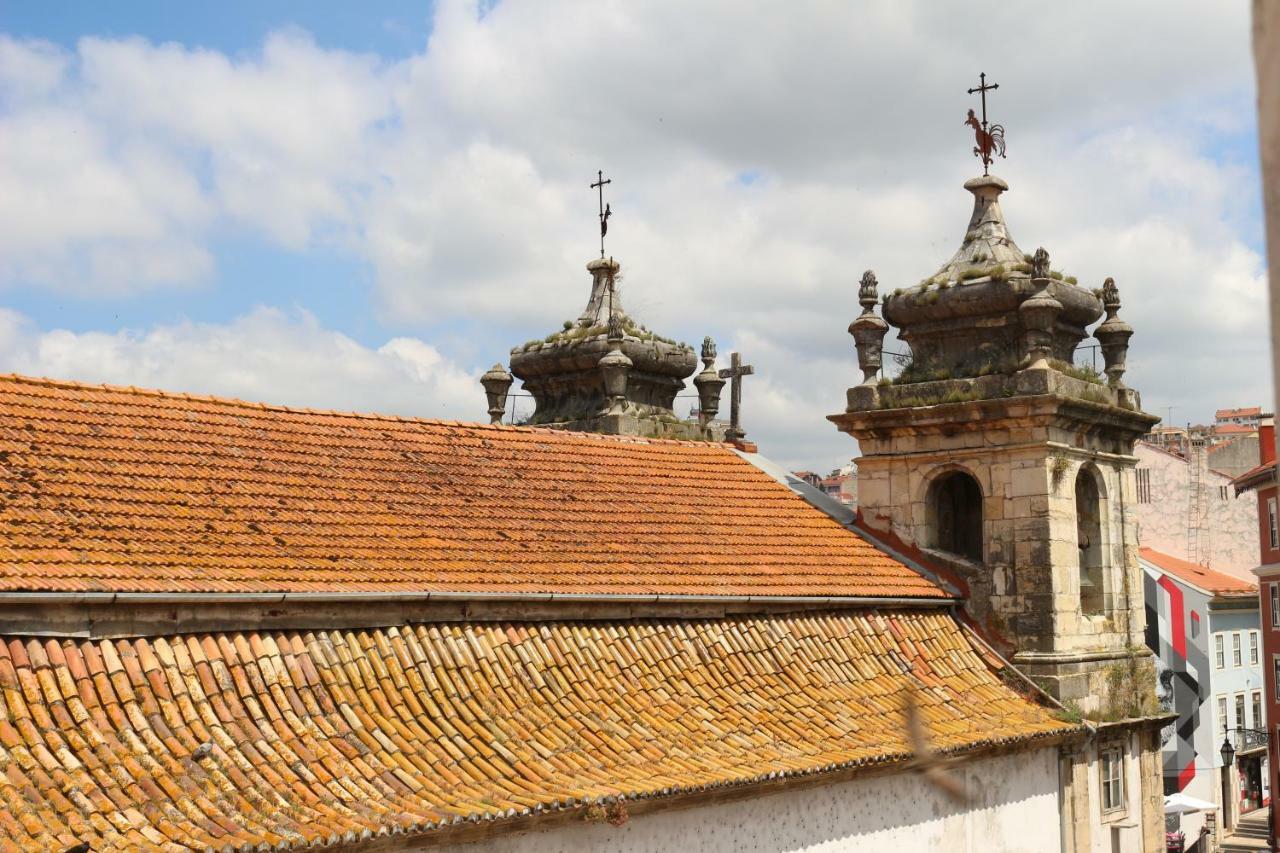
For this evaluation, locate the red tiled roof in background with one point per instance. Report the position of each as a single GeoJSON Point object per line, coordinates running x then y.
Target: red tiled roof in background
{"type": "Point", "coordinates": [313, 737]}
{"type": "Point", "coordinates": [1250, 412]}
{"type": "Point", "coordinates": [1206, 579]}
{"type": "Point", "coordinates": [116, 489]}
{"type": "Point", "coordinates": [1234, 429]}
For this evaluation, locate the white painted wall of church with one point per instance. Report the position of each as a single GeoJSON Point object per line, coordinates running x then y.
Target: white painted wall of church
{"type": "Point", "coordinates": [1014, 808]}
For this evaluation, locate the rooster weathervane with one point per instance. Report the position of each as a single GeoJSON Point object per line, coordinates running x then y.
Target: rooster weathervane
{"type": "Point", "coordinates": [989, 140]}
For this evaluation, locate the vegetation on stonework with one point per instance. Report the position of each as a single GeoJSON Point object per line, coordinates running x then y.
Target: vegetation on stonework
{"type": "Point", "coordinates": [1070, 713]}
{"type": "Point", "coordinates": [1130, 689]}
{"type": "Point", "coordinates": [1082, 372]}
{"type": "Point", "coordinates": [571, 333]}
{"type": "Point", "coordinates": [1061, 465]}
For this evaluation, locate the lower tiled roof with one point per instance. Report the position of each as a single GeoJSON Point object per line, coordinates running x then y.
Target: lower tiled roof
{"type": "Point", "coordinates": [121, 490]}
{"type": "Point", "coordinates": [317, 737]}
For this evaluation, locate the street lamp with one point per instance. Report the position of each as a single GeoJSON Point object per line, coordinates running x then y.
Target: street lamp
{"type": "Point", "coordinates": [1228, 752]}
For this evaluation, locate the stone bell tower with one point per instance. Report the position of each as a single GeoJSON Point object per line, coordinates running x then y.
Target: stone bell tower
{"type": "Point", "coordinates": [1000, 458]}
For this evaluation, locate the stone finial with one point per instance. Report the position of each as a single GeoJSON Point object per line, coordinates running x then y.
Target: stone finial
{"type": "Point", "coordinates": [1039, 313]}
{"type": "Point", "coordinates": [1113, 334]}
{"type": "Point", "coordinates": [708, 383]}
{"type": "Point", "coordinates": [615, 330]}
{"type": "Point", "coordinates": [708, 352]}
{"type": "Point", "coordinates": [496, 382]}
{"type": "Point", "coordinates": [868, 330]}
{"type": "Point", "coordinates": [1040, 264]}
{"type": "Point", "coordinates": [615, 366]}
{"type": "Point", "coordinates": [867, 291]}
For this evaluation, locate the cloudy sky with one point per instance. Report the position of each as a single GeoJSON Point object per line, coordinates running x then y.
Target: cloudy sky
{"type": "Point", "coordinates": [363, 206]}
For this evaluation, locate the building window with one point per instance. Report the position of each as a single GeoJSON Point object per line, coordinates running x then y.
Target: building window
{"type": "Point", "coordinates": [1275, 671]}
{"type": "Point", "coordinates": [1275, 607]}
{"type": "Point", "coordinates": [1235, 650]}
{"type": "Point", "coordinates": [1222, 492]}
{"type": "Point", "coordinates": [1222, 715]}
{"type": "Point", "coordinates": [1219, 655]}
{"type": "Point", "coordinates": [1273, 524]}
{"type": "Point", "coordinates": [1240, 711]}
{"type": "Point", "coordinates": [1144, 485]}
{"type": "Point", "coordinates": [1112, 779]}
{"type": "Point", "coordinates": [1258, 722]}
{"type": "Point", "coordinates": [1253, 648]}
{"type": "Point", "coordinates": [957, 515]}
{"type": "Point", "coordinates": [1093, 586]}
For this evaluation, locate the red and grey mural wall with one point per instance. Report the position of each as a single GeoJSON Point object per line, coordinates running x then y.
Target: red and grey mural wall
{"type": "Point", "coordinates": [1177, 634]}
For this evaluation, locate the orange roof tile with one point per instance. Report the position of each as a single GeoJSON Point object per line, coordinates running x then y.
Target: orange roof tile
{"type": "Point", "coordinates": [1206, 579]}
{"type": "Point", "coordinates": [111, 489]}
{"type": "Point", "coordinates": [1250, 412]}
{"type": "Point", "coordinates": [229, 741]}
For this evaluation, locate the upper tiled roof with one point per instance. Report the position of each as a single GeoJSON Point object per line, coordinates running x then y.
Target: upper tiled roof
{"type": "Point", "coordinates": [116, 489]}
{"type": "Point", "coordinates": [283, 739]}
{"type": "Point", "coordinates": [1206, 579]}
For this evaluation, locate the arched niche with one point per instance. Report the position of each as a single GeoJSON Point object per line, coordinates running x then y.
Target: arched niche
{"type": "Point", "coordinates": [955, 515]}
{"type": "Point", "coordinates": [1090, 506]}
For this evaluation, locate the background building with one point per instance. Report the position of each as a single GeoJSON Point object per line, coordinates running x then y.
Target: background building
{"type": "Point", "coordinates": [1204, 628]}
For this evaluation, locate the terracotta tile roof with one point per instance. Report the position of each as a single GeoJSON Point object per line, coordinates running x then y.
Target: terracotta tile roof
{"type": "Point", "coordinates": [117, 489]}
{"type": "Point", "coordinates": [1233, 429]}
{"type": "Point", "coordinates": [316, 736]}
{"type": "Point", "coordinates": [1206, 579]}
{"type": "Point", "coordinates": [1250, 412]}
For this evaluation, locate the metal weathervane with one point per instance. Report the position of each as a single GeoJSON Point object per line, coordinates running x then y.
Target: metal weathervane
{"type": "Point", "coordinates": [605, 212]}
{"type": "Point", "coordinates": [989, 140]}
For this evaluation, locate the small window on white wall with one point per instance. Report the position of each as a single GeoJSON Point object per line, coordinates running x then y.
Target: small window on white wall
{"type": "Point", "coordinates": [1235, 649]}
{"type": "Point", "coordinates": [1219, 656]}
{"type": "Point", "coordinates": [1253, 648]}
{"type": "Point", "coordinates": [1258, 722]}
{"type": "Point", "coordinates": [1112, 779]}
{"type": "Point", "coordinates": [1222, 715]}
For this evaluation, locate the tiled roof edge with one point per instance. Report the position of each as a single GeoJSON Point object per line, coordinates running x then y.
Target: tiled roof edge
{"type": "Point", "coordinates": [233, 402]}
{"type": "Point", "coordinates": [742, 783]}
{"type": "Point", "coordinates": [392, 595]}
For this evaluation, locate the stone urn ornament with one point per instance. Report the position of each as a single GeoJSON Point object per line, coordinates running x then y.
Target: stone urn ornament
{"type": "Point", "coordinates": [496, 382]}
{"type": "Point", "coordinates": [1039, 313]}
{"type": "Point", "coordinates": [1113, 334]}
{"type": "Point", "coordinates": [869, 330]}
{"type": "Point", "coordinates": [708, 383]}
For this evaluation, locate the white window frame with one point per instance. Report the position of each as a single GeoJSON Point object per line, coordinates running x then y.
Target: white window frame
{"type": "Point", "coordinates": [1219, 651]}
{"type": "Point", "coordinates": [1241, 709]}
{"type": "Point", "coordinates": [1275, 607]}
{"type": "Point", "coordinates": [1222, 716]}
{"type": "Point", "coordinates": [1111, 770]}
{"type": "Point", "coordinates": [1273, 522]}
{"type": "Point", "coordinates": [1237, 658]}
{"type": "Point", "coordinates": [1253, 648]}
{"type": "Point", "coordinates": [1256, 708]}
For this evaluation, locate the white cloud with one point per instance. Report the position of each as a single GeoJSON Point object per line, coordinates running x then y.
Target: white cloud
{"type": "Point", "coordinates": [763, 157]}
{"type": "Point", "coordinates": [266, 355]}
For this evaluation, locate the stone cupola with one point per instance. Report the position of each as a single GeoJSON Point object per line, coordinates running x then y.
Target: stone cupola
{"type": "Point", "coordinates": [605, 372]}
{"type": "Point", "coordinates": [1003, 459]}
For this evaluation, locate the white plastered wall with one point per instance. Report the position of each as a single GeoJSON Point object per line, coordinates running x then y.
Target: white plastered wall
{"type": "Point", "coordinates": [1014, 808]}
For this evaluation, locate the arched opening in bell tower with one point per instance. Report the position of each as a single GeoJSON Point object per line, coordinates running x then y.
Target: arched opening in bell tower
{"type": "Point", "coordinates": [955, 508]}
{"type": "Point", "coordinates": [1093, 587]}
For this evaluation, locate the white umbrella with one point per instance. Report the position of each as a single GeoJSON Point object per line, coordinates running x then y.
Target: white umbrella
{"type": "Point", "coordinates": [1183, 804]}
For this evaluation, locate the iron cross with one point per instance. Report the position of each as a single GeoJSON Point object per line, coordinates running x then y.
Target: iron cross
{"type": "Point", "coordinates": [984, 88]}
{"type": "Point", "coordinates": [734, 374]}
{"type": "Point", "coordinates": [605, 212]}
